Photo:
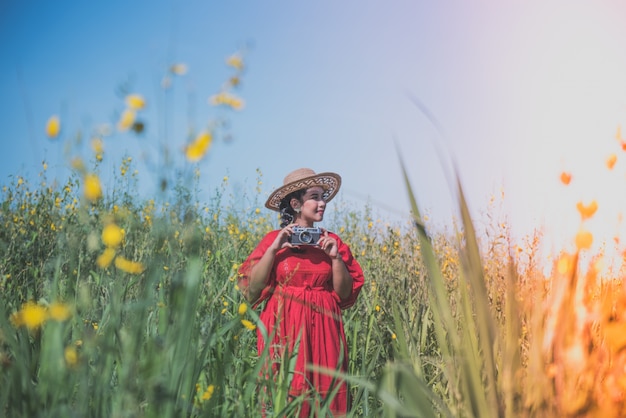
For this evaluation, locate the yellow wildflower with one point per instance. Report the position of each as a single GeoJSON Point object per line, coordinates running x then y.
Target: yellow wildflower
{"type": "Point", "coordinates": [248, 324]}
{"type": "Point", "coordinates": [179, 69]}
{"type": "Point", "coordinates": [243, 308]}
{"type": "Point", "coordinates": [227, 99]}
{"type": "Point", "coordinates": [104, 260]}
{"type": "Point", "coordinates": [208, 393]}
{"type": "Point", "coordinates": [127, 119]}
{"type": "Point", "coordinates": [198, 148]}
{"type": "Point", "coordinates": [78, 164]}
{"type": "Point", "coordinates": [93, 189]}
{"type": "Point", "coordinates": [71, 356]}
{"type": "Point", "coordinates": [135, 101]}
{"type": "Point", "coordinates": [235, 61]}
{"type": "Point", "coordinates": [53, 127]}
{"type": "Point", "coordinates": [32, 315]}
{"type": "Point", "coordinates": [59, 311]}
{"type": "Point", "coordinates": [112, 235]}
{"type": "Point", "coordinates": [128, 266]}
{"type": "Point", "coordinates": [98, 147]}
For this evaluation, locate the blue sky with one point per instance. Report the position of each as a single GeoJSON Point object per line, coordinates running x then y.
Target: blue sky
{"type": "Point", "coordinates": [522, 91]}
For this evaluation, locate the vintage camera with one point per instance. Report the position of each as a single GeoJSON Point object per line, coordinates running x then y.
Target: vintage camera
{"type": "Point", "coordinates": [305, 236]}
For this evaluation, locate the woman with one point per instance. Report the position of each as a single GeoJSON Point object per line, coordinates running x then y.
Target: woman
{"type": "Point", "coordinates": [305, 287]}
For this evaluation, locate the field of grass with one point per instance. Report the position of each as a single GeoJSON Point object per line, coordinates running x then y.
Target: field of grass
{"type": "Point", "coordinates": [116, 305]}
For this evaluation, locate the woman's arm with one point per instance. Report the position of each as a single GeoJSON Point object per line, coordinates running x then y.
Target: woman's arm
{"type": "Point", "coordinates": [342, 280]}
{"type": "Point", "coordinates": [260, 272]}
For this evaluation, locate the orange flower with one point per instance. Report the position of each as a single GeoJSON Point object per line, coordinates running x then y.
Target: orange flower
{"type": "Point", "coordinates": [587, 212]}
{"type": "Point", "coordinates": [610, 162]}
{"type": "Point", "coordinates": [566, 178]}
{"type": "Point", "coordinates": [584, 239]}
{"type": "Point", "coordinates": [565, 264]}
{"type": "Point", "coordinates": [618, 136]}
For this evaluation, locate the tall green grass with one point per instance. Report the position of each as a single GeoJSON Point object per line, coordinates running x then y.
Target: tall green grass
{"type": "Point", "coordinates": [151, 344]}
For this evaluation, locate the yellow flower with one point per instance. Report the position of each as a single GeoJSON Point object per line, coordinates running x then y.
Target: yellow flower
{"type": "Point", "coordinates": [128, 266]}
{"type": "Point", "coordinates": [104, 260]}
{"type": "Point", "coordinates": [78, 164]}
{"type": "Point", "coordinates": [198, 148]}
{"type": "Point", "coordinates": [393, 336]}
{"type": "Point", "coordinates": [126, 120]}
{"type": "Point", "coordinates": [243, 308]}
{"type": "Point", "coordinates": [179, 69]}
{"type": "Point", "coordinates": [208, 393]}
{"type": "Point", "coordinates": [377, 308]}
{"type": "Point", "coordinates": [112, 235]}
{"type": "Point", "coordinates": [59, 311]}
{"type": "Point", "coordinates": [235, 61]}
{"type": "Point", "coordinates": [32, 315]}
{"type": "Point", "coordinates": [584, 239]}
{"type": "Point", "coordinates": [135, 101]}
{"type": "Point", "coordinates": [227, 99]}
{"type": "Point", "coordinates": [248, 324]}
{"type": "Point", "coordinates": [71, 356]}
{"type": "Point", "coordinates": [93, 189]}
{"type": "Point", "coordinates": [53, 127]}
{"type": "Point", "coordinates": [97, 145]}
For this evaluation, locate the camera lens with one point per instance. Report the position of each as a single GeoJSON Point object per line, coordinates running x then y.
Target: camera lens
{"type": "Point", "coordinates": [306, 237]}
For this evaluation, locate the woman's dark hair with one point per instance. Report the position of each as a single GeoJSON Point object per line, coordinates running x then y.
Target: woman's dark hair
{"type": "Point", "coordinates": [287, 214]}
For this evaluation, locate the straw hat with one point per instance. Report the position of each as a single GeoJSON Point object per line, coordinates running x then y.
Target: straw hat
{"type": "Point", "coordinates": [304, 178]}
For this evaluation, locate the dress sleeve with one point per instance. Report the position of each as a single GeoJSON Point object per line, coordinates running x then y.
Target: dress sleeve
{"type": "Point", "coordinates": [243, 279]}
{"type": "Point", "coordinates": [354, 268]}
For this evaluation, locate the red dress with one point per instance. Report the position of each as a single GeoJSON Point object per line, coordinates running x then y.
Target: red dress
{"type": "Point", "coordinates": [301, 302]}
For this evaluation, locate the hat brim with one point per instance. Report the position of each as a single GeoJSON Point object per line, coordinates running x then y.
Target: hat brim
{"type": "Point", "coordinates": [330, 182]}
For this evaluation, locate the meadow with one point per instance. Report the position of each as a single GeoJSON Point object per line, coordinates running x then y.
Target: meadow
{"type": "Point", "coordinates": [117, 305]}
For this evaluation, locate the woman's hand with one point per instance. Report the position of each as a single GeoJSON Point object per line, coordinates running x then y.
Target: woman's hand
{"type": "Point", "coordinates": [329, 245]}
{"type": "Point", "coordinates": [282, 239]}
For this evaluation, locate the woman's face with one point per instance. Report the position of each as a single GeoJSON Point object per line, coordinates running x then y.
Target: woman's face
{"type": "Point", "coordinates": [312, 206]}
